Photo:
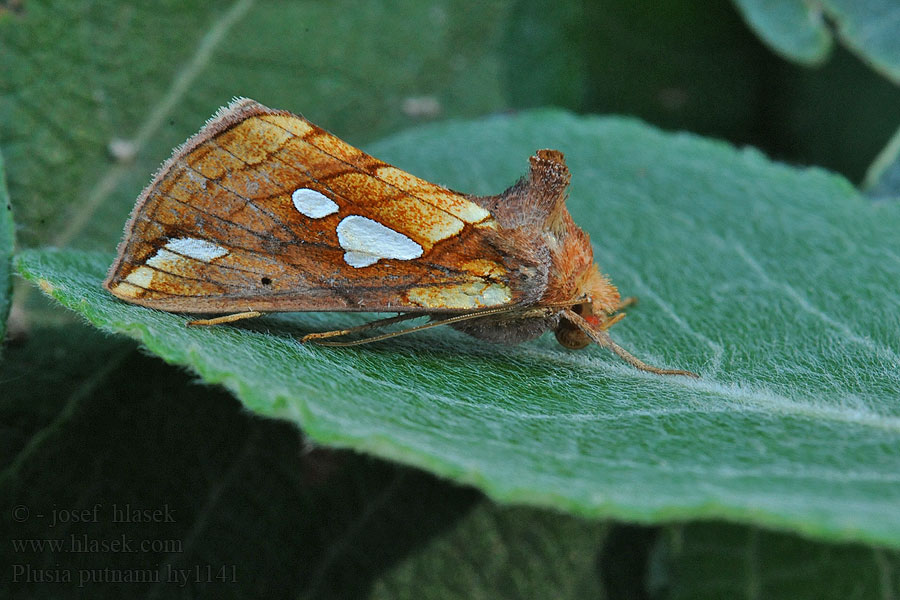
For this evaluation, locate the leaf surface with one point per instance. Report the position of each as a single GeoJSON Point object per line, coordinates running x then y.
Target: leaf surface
{"type": "Point", "coordinates": [775, 284]}
{"type": "Point", "coordinates": [247, 498]}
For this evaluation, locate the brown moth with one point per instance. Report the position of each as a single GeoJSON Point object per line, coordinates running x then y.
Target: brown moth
{"type": "Point", "coordinates": [262, 211]}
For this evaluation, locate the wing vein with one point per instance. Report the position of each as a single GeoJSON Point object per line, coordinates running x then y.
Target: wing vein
{"type": "Point", "coordinates": [319, 131]}
{"type": "Point", "coordinates": [247, 200]}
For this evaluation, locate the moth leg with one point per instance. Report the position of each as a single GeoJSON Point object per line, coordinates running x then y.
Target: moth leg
{"type": "Point", "coordinates": [616, 314]}
{"type": "Point", "coordinates": [612, 320]}
{"type": "Point", "coordinates": [455, 319]}
{"type": "Point", "coordinates": [312, 337]}
{"type": "Point", "coordinates": [626, 302]}
{"type": "Point", "coordinates": [602, 338]}
{"type": "Point", "coordinates": [250, 314]}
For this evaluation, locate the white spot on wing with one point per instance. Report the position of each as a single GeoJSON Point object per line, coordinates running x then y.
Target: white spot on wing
{"type": "Point", "coordinates": [367, 241]}
{"type": "Point", "coordinates": [165, 260]}
{"type": "Point", "coordinates": [360, 259]}
{"type": "Point", "coordinates": [313, 204]}
{"type": "Point", "coordinates": [141, 277]}
{"type": "Point", "coordinates": [196, 249]}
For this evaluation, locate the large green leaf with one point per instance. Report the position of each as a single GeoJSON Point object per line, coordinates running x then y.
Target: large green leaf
{"type": "Point", "coordinates": [243, 493]}
{"type": "Point", "coordinates": [773, 283]}
{"type": "Point", "coordinates": [7, 241]}
{"type": "Point", "coordinates": [304, 522]}
{"type": "Point", "coordinates": [798, 29]}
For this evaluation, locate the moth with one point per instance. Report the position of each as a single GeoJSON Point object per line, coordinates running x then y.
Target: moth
{"type": "Point", "coordinates": [262, 211]}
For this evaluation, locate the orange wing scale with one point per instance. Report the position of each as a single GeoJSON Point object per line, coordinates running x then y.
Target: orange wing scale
{"type": "Point", "coordinates": [227, 195]}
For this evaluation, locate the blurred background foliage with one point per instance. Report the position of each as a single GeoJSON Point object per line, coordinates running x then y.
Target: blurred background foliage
{"type": "Point", "coordinates": [93, 96]}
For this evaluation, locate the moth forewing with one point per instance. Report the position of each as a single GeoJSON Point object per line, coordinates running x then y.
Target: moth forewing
{"type": "Point", "coordinates": [292, 218]}
{"type": "Point", "coordinates": [262, 211]}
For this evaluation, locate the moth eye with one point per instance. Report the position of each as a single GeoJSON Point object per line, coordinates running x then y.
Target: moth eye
{"type": "Point", "coordinates": [266, 281]}
{"type": "Point", "coordinates": [569, 336]}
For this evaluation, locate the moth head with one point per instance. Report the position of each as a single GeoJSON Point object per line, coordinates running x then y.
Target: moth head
{"type": "Point", "coordinates": [600, 299]}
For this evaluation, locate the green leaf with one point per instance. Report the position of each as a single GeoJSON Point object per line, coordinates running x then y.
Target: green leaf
{"type": "Point", "coordinates": [774, 283]}
{"type": "Point", "coordinates": [869, 29]}
{"type": "Point", "coordinates": [720, 561]}
{"type": "Point", "coordinates": [7, 242]}
{"type": "Point", "coordinates": [110, 428]}
{"type": "Point", "coordinates": [793, 28]}
{"type": "Point", "coordinates": [797, 29]}
{"type": "Point", "coordinates": [883, 177]}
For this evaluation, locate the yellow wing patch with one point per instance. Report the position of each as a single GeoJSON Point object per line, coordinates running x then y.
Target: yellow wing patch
{"type": "Point", "coordinates": [455, 204]}
{"type": "Point", "coordinates": [461, 296]}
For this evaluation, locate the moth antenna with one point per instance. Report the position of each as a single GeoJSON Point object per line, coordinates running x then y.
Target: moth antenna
{"type": "Point", "coordinates": [602, 338]}
{"type": "Point", "coordinates": [315, 338]}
